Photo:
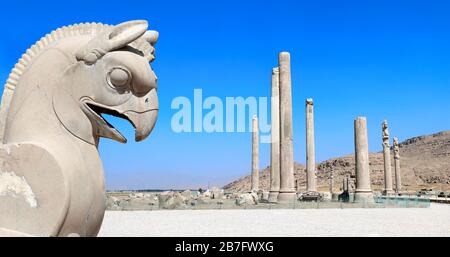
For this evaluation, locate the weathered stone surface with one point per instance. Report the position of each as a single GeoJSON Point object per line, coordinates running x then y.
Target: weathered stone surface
{"type": "Point", "coordinates": [216, 193]}
{"type": "Point", "coordinates": [327, 196]}
{"type": "Point", "coordinates": [425, 163]}
{"type": "Point", "coordinates": [363, 191]}
{"type": "Point", "coordinates": [398, 174]}
{"type": "Point", "coordinates": [187, 194]}
{"type": "Point", "coordinates": [265, 197]}
{"type": "Point", "coordinates": [331, 185]}
{"type": "Point", "coordinates": [310, 148]}
{"type": "Point", "coordinates": [388, 189]}
{"type": "Point", "coordinates": [172, 200]}
{"type": "Point", "coordinates": [255, 154]}
{"type": "Point", "coordinates": [112, 203]}
{"type": "Point", "coordinates": [201, 200]}
{"type": "Point", "coordinates": [247, 199]}
{"type": "Point", "coordinates": [275, 137]}
{"type": "Point", "coordinates": [56, 126]}
{"type": "Point", "coordinates": [287, 180]}
{"type": "Point", "coordinates": [207, 193]}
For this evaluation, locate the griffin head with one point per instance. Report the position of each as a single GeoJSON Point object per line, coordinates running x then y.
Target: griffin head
{"type": "Point", "coordinates": [111, 75]}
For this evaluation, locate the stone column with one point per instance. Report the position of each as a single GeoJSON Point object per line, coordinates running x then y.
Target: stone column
{"type": "Point", "coordinates": [331, 183]}
{"type": "Point", "coordinates": [363, 191]}
{"type": "Point", "coordinates": [255, 154]}
{"type": "Point", "coordinates": [310, 148]}
{"type": "Point", "coordinates": [398, 175]}
{"type": "Point", "coordinates": [387, 160]}
{"type": "Point", "coordinates": [345, 184]}
{"type": "Point", "coordinates": [275, 140]}
{"type": "Point", "coordinates": [287, 189]}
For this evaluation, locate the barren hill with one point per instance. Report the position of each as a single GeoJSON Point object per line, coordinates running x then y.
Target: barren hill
{"type": "Point", "coordinates": [425, 163]}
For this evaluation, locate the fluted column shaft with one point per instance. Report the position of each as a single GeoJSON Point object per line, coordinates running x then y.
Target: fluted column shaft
{"type": "Point", "coordinates": [275, 140]}
{"type": "Point", "coordinates": [363, 191]}
{"type": "Point", "coordinates": [255, 155]}
{"type": "Point", "coordinates": [310, 148]}
{"type": "Point", "coordinates": [287, 188]}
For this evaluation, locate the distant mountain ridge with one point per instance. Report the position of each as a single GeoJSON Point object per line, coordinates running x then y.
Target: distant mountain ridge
{"type": "Point", "coordinates": [425, 163]}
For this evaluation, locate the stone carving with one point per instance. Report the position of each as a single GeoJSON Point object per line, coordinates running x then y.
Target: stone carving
{"type": "Point", "coordinates": [387, 160]}
{"type": "Point", "coordinates": [398, 174]}
{"type": "Point", "coordinates": [385, 130]}
{"type": "Point", "coordinates": [51, 123]}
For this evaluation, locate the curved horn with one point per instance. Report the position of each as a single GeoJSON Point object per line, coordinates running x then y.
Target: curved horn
{"type": "Point", "coordinates": [126, 32]}
{"type": "Point", "coordinates": [119, 36]}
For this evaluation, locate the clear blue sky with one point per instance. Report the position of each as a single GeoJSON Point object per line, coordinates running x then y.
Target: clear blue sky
{"type": "Point", "coordinates": [381, 59]}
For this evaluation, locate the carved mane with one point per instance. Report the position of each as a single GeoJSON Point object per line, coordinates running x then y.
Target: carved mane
{"type": "Point", "coordinates": [27, 59]}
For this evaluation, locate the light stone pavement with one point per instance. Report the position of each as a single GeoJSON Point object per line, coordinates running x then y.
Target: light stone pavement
{"type": "Point", "coordinates": [433, 221]}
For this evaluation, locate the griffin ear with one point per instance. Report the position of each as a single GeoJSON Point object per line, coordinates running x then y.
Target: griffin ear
{"type": "Point", "coordinates": [127, 32]}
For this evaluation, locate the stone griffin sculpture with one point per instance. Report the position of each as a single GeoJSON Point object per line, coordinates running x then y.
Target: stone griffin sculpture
{"type": "Point", "coordinates": [396, 149]}
{"type": "Point", "coordinates": [51, 175]}
{"type": "Point", "coordinates": [385, 135]}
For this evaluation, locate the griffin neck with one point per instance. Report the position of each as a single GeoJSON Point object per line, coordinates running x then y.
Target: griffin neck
{"type": "Point", "coordinates": [40, 98]}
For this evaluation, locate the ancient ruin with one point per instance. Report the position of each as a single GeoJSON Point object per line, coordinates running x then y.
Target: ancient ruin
{"type": "Point", "coordinates": [275, 138]}
{"type": "Point", "coordinates": [398, 174]}
{"type": "Point", "coordinates": [331, 183]}
{"type": "Point", "coordinates": [310, 148]}
{"type": "Point", "coordinates": [287, 187]}
{"type": "Point", "coordinates": [387, 160]}
{"type": "Point", "coordinates": [255, 154]}
{"type": "Point", "coordinates": [51, 124]}
{"type": "Point", "coordinates": [363, 191]}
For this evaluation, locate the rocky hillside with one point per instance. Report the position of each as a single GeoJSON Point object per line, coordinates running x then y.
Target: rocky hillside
{"type": "Point", "coordinates": [425, 163]}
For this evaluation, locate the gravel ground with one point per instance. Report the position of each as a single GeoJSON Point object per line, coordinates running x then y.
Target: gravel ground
{"type": "Point", "coordinates": [433, 221]}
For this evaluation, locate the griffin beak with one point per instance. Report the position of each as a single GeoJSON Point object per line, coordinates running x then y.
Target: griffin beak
{"type": "Point", "coordinates": [143, 123]}
{"type": "Point", "coordinates": [141, 112]}
{"type": "Point", "coordinates": [144, 119]}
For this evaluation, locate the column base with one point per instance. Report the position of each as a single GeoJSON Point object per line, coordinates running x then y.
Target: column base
{"type": "Point", "coordinates": [363, 197]}
{"type": "Point", "coordinates": [334, 197]}
{"type": "Point", "coordinates": [273, 196]}
{"type": "Point", "coordinates": [388, 192]}
{"type": "Point", "coordinates": [287, 196]}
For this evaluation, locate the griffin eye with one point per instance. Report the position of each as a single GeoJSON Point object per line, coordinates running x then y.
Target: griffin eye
{"type": "Point", "coordinates": [119, 77]}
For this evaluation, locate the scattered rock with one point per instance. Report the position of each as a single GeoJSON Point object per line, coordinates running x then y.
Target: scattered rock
{"type": "Point", "coordinates": [264, 197]}
{"type": "Point", "coordinates": [187, 194]}
{"type": "Point", "coordinates": [112, 203]}
{"type": "Point", "coordinates": [216, 193]}
{"type": "Point", "coordinates": [247, 199]}
{"type": "Point", "coordinates": [207, 193]}
{"type": "Point", "coordinates": [202, 200]}
{"type": "Point", "coordinates": [171, 200]}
